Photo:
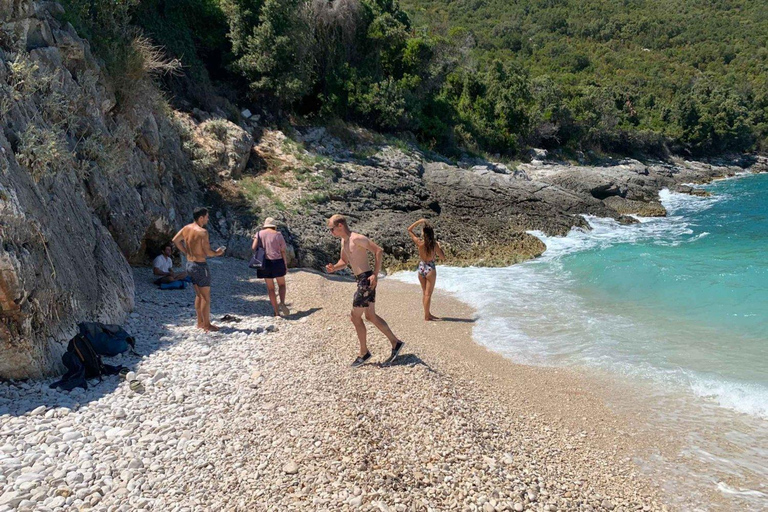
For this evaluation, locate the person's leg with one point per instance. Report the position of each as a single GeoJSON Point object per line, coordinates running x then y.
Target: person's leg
{"type": "Point", "coordinates": [428, 290]}
{"type": "Point", "coordinates": [198, 307]}
{"type": "Point", "coordinates": [357, 319]}
{"type": "Point", "coordinates": [281, 288]}
{"type": "Point", "coordinates": [423, 283]}
{"type": "Point", "coordinates": [180, 276]}
{"type": "Point", "coordinates": [371, 316]}
{"type": "Point", "coordinates": [271, 291]}
{"type": "Point", "coordinates": [205, 296]}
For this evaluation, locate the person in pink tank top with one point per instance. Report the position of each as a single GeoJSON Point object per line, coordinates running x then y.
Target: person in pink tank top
{"type": "Point", "coordinates": [275, 263]}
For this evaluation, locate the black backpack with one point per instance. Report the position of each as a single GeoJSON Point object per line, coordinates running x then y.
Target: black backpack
{"type": "Point", "coordinates": [82, 363]}
{"type": "Point", "coordinates": [82, 348]}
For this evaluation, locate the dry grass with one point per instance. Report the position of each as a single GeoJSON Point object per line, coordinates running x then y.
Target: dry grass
{"type": "Point", "coordinates": [43, 151]}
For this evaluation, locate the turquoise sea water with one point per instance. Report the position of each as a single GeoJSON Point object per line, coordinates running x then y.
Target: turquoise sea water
{"type": "Point", "coordinates": [680, 303]}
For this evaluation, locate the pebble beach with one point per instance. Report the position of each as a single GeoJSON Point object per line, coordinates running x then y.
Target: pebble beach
{"type": "Point", "coordinates": [266, 414]}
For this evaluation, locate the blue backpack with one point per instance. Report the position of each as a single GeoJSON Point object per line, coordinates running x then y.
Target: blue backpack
{"type": "Point", "coordinates": [107, 340]}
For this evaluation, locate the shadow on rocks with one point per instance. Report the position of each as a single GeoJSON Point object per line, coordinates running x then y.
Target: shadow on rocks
{"type": "Point", "coordinates": [411, 360]}
{"type": "Point", "coordinates": [161, 318]}
{"type": "Point", "coordinates": [302, 314]}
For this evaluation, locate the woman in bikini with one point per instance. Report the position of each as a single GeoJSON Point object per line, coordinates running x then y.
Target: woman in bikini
{"type": "Point", "coordinates": [429, 249]}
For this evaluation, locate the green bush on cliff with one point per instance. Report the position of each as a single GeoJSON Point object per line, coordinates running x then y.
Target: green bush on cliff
{"type": "Point", "coordinates": [128, 55]}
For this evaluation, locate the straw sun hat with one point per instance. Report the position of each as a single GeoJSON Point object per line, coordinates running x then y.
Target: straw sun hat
{"type": "Point", "coordinates": [269, 222]}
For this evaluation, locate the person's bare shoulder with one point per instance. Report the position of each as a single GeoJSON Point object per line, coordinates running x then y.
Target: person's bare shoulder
{"type": "Point", "coordinates": [359, 239]}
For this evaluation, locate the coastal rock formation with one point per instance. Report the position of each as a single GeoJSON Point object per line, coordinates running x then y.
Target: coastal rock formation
{"type": "Point", "coordinates": [83, 189]}
{"type": "Point", "coordinates": [630, 186]}
{"type": "Point", "coordinates": [495, 202]}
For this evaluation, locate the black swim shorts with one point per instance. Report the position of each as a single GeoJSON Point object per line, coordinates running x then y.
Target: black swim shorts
{"type": "Point", "coordinates": [365, 295]}
{"type": "Point", "coordinates": [199, 273]}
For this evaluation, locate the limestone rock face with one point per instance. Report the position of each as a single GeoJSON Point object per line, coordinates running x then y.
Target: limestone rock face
{"type": "Point", "coordinates": [381, 197]}
{"type": "Point", "coordinates": [228, 145]}
{"type": "Point", "coordinates": [83, 189]}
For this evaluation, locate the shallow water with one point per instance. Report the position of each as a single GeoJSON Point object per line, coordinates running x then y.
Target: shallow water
{"type": "Point", "coordinates": [678, 304]}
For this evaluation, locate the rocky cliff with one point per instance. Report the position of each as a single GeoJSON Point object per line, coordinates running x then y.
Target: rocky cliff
{"type": "Point", "coordinates": [482, 210]}
{"type": "Point", "coordinates": [85, 186]}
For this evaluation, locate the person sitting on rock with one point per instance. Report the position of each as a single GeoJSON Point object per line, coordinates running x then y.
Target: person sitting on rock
{"type": "Point", "coordinates": [163, 266]}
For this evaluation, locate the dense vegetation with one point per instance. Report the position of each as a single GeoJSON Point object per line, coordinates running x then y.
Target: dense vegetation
{"type": "Point", "coordinates": [627, 71]}
{"type": "Point", "coordinates": [483, 75]}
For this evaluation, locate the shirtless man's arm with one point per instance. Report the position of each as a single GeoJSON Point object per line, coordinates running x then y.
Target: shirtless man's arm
{"type": "Point", "coordinates": [178, 241]}
{"type": "Point", "coordinates": [331, 267]}
{"type": "Point", "coordinates": [210, 253]}
{"type": "Point", "coordinates": [378, 254]}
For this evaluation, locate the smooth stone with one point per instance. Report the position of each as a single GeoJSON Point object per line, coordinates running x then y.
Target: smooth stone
{"type": "Point", "coordinates": [29, 477]}
{"type": "Point", "coordinates": [71, 436]}
{"type": "Point", "coordinates": [291, 468]}
{"type": "Point", "coordinates": [113, 432]}
{"type": "Point", "coordinates": [11, 498]}
{"type": "Point", "coordinates": [58, 501]}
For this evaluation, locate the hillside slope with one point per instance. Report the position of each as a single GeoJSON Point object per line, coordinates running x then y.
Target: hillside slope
{"type": "Point", "coordinates": [696, 72]}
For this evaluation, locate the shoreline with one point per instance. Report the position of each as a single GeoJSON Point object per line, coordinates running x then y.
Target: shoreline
{"type": "Point", "coordinates": [627, 397]}
{"type": "Point", "coordinates": [562, 399]}
{"type": "Point", "coordinates": [581, 401]}
{"type": "Point", "coordinates": [267, 415]}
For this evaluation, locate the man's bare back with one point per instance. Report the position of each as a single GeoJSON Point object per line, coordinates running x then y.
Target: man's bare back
{"type": "Point", "coordinates": [195, 241]}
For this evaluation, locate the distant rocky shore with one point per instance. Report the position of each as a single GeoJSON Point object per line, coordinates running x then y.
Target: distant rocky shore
{"type": "Point", "coordinates": [482, 210]}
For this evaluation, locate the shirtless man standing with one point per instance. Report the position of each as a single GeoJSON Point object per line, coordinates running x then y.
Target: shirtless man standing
{"type": "Point", "coordinates": [192, 241]}
{"type": "Point", "coordinates": [354, 252]}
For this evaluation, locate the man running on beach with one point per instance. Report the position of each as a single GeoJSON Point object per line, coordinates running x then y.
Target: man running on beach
{"type": "Point", "coordinates": [354, 252]}
{"type": "Point", "coordinates": [192, 242]}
